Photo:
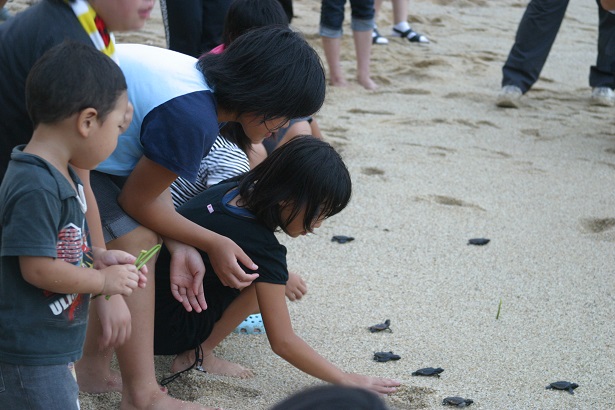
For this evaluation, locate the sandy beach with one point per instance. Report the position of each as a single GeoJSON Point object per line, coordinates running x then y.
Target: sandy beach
{"type": "Point", "coordinates": [434, 163]}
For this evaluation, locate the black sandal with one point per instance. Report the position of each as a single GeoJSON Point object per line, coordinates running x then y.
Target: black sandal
{"type": "Point", "coordinates": [411, 35]}
{"type": "Point", "coordinates": [378, 39]}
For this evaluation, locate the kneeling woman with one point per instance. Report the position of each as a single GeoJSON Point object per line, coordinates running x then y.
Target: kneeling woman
{"type": "Point", "coordinates": [294, 189]}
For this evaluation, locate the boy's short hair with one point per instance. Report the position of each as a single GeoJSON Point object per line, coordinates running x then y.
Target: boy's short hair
{"type": "Point", "coordinates": [245, 15]}
{"type": "Point", "coordinates": [270, 71]}
{"type": "Point", "coordinates": [69, 78]}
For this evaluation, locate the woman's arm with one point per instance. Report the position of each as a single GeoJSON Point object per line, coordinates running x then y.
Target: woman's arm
{"type": "Point", "coordinates": [145, 197]}
{"type": "Point", "coordinates": [285, 343]}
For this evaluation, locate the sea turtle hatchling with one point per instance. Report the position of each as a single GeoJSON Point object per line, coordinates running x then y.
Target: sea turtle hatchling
{"type": "Point", "coordinates": [457, 401]}
{"type": "Point", "coordinates": [342, 239]}
{"type": "Point", "coordinates": [385, 356]}
{"type": "Point", "coordinates": [428, 371]}
{"type": "Point", "coordinates": [381, 326]}
{"type": "Point", "coordinates": [563, 385]}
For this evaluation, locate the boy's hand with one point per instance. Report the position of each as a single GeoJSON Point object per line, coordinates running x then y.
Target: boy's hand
{"type": "Point", "coordinates": [120, 279]}
{"type": "Point", "coordinates": [115, 321]}
{"type": "Point", "coordinates": [104, 258]}
{"type": "Point", "coordinates": [224, 257]}
{"type": "Point", "coordinates": [187, 271]}
{"type": "Point", "coordinates": [295, 287]}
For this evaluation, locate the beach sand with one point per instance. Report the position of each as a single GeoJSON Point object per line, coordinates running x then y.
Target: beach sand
{"type": "Point", "coordinates": [435, 163]}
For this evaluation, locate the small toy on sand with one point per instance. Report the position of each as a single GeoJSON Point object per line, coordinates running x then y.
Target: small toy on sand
{"type": "Point", "coordinates": [428, 371]}
{"type": "Point", "coordinates": [478, 241]}
{"type": "Point", "coordinates": [563, 385]}
{"type": "Point", "coordinates": [456, 401]}
{"type": "Point", "coordinates": [381, 326]}
{"type": "Point", "coordinates": [385, 356]}
{"type": "Point", "coordinates": [342, 239]}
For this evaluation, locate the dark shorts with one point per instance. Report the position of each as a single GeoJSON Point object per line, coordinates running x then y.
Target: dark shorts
{"type": "Point", "coordinates": [175, 329]}
{"type": "Point", "coordinates": [115, 222]}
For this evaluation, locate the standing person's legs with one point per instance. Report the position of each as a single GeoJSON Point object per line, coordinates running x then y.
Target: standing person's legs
{"type": "Point", "coordinates": [213, 12]}
{"type": "Point", "coordinates": [602, 75]}
{"type": "Point", "coordinates": [535, 36]}
{"type": "Point", "coordinates": [362, 25]}
{"type": "Point", "coordinates": [183, 25]}
{"type": "Point", "coordinates": [331, 19]}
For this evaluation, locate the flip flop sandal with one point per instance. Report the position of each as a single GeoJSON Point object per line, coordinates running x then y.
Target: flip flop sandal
{"type": "Point", "coordinates": [253, 325]}
{"type": "Point", "coordinates": [378, 39]}
{"type": "Point", "coordinates": [411, 35]}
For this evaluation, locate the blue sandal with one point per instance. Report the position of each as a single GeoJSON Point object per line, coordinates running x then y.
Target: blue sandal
{"type": "Point", "coordinates": [253, 325]}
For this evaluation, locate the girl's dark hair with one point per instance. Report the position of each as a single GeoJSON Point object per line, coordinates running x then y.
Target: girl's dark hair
{"type": "Point", "coordinates": [270, 71]}
{"type": "Point", "coordinates": [307, 174]}
{"type": "Point", "coordinates": [330, 397]}
{"type": "Point", "coordinates": [69, 78]}
{"type": "Point", "coordinates": [244, 15]}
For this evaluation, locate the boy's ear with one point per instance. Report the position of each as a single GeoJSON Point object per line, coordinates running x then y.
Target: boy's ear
{"type": "Point", "coordinates": [86, 121]}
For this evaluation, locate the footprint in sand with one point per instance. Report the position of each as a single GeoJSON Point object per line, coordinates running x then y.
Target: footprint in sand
{"type": "Point", "coordinates": [449, 201]}
{"type": "Point", "coordinates": [372, 171]}
{"type": "Point", "coordinates": [597, 225]}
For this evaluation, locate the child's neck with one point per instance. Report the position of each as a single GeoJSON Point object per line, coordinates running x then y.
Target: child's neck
{"type": "Point", "coordinates": [46, 147]}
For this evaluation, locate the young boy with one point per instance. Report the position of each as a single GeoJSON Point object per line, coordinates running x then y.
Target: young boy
{"type": "Point", "coordinates": [77, 100]}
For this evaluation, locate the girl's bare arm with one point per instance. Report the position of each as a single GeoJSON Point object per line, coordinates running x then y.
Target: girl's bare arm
{"type": "Point", "coordinates": [145, 198]}
{"type": "Point", "coordinates": [285, 343]}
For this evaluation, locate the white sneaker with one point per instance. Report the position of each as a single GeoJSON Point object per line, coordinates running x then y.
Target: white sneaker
{"type": "Point", "coordinates": [602, 96]}
{"type": "Point", "coordinates": [509, 97]}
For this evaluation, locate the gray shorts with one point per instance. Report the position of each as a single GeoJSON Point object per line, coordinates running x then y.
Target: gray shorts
{"type": "Point", "coordinates": [115, 222]}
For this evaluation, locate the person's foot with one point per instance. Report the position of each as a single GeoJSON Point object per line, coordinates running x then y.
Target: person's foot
{"type": "Point", "coordinates": [367, 83]}
{"type": "Point", "coordinates": [338, 82]}
{"type": "Point", "coordinates": [602, 96]}
{"type": "Point", "coordinates": [509, 97]}
{"type": "Point", "coordinates": [156, 400]}
{"type": "Point", "coordinates": [377, 38]}
{"type": "Point", "coordinates": [410, 34]}
{"type": "Point", "coordinates": [214, 365]}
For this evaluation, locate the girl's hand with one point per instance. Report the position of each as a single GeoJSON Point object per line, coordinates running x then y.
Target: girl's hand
{"type": "Point", "coordinates": [295, 287]}
{"type": "Point", "coordinates": [104, 258]}
{"type": "Point", "coordinates": [376, 384]}
{"type": "Point", "coordinates": [187, 271]}
{"type": "Point", "coordinates": [224, 256]}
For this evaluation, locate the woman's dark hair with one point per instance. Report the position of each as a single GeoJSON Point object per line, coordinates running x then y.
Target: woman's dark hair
{"type": "Point", "coordinates": [307, 174]}
{"type": "Point", "coordinates": [244, 15]}
{"type": "Point", "coordinates": [332, 398]}
{"type": "Point", "coordinates": [69, 78]}
{"type": "Point", "coordinates": [270, 71]}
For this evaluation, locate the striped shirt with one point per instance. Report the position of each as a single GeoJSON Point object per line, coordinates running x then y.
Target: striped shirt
{"type": "Point", "coordinates": [224, 160]}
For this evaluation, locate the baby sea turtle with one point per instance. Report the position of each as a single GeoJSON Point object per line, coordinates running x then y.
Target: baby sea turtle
{"type": "Point", "coordinates": [381, 326]}
{"type": "Point", "coordinates": [385, 356]}
{"type": "Point", "coordinates": [478, 241]}
{"type": "Point", "coordinates": [563, 385]}
{"type": "Point", "coordinates": [342, 239]}
{"type": "Point", "coordinates": [428, 371]}
{"type": "Point", "coordinates": [457, 401]}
